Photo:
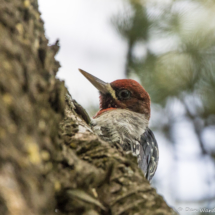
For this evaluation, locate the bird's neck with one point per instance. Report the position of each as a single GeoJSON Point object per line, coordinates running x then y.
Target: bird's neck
{"type": "Point", "coordinates": [103, 111]}
{"type": "Point", "coordinates": [116, 122]}
{"type": "Point", "coordinates": [119, 111]}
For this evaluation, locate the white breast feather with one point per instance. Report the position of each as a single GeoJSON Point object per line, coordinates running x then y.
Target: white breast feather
{"type": "Point", "coordinates": [122, 126]}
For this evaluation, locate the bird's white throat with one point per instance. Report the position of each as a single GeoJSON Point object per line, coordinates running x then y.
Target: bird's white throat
{"type": "Point", "coordinates": [119, 124]}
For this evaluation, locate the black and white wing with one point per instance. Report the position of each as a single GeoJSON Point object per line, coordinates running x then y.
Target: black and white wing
{"type": "Point", "coordinates": [149, 154]}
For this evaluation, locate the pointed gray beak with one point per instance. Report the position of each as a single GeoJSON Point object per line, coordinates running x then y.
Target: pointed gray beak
{"type": "Point", "coordinates": [102, 86]}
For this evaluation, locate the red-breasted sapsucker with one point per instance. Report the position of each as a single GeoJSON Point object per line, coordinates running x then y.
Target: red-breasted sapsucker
{"type": "Point", "coordinates": [123, 118]}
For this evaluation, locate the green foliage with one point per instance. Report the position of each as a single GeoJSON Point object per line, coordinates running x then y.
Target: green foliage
{"type": "Point", "coordinates": [178, 49]}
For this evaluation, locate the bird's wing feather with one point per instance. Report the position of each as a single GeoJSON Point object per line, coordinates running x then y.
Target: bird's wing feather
{"type": "Point", "coordinates": [149, 154]}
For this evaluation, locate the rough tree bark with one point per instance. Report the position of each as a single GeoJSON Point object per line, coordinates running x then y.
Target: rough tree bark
{"type": "Point", "coordinates": [50, 160]}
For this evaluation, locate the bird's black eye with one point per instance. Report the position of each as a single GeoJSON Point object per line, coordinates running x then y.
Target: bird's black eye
{"type": "Point", "coordinates": [124, 94]}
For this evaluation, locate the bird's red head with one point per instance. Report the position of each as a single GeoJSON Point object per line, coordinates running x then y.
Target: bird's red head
{"type": "Point", "coordinates": [124, 94]}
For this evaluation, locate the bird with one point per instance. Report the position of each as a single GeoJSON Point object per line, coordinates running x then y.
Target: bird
{"type": "Point", "coordinates": [123, 118]}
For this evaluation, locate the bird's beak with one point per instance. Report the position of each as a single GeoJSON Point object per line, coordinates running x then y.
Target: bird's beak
{"type": "Point", "coordinates": [99, 84]}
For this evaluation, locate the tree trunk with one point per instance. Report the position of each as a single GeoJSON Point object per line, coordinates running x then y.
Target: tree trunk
{"type": "Point", "coordinates": [50, 160]}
